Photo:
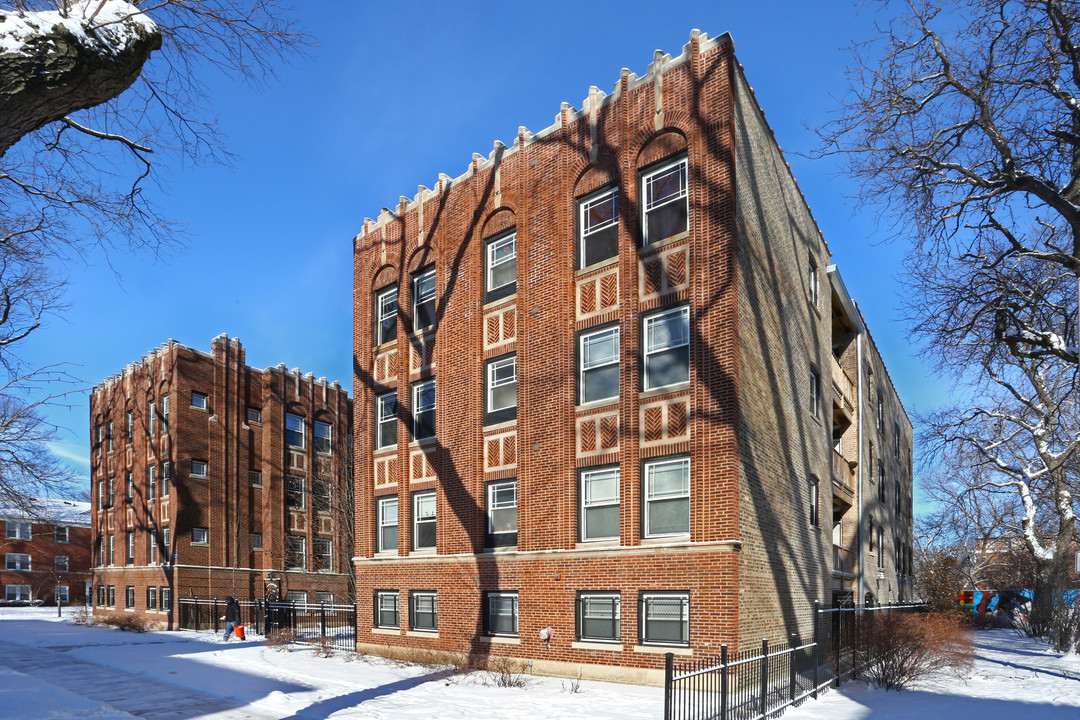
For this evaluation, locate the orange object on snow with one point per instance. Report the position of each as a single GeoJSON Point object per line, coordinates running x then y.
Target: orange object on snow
{"type": "Point", "coordinates": [239, 630]}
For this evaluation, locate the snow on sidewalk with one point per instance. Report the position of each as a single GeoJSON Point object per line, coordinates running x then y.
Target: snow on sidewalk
{"type": "Point", "coordinates": [196, 676]}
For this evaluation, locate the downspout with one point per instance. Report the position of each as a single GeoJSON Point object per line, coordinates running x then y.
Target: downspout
{"type": "Point", "coordinates": [859, 493]}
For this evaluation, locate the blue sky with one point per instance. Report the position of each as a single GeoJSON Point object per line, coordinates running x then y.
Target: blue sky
{"type": "Point", "coordinates": [391, 96]}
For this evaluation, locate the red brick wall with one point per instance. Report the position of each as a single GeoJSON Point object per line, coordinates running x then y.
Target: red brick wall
{"type": "Point", "coordinates": [43, 550]}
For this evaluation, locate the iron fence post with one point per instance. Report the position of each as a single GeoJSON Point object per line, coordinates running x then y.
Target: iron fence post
{"type": "Point", "coordinates": [817, 643]}
{"type": "Point", "coordinates": [723, 682]}
{"type": "Point", "coordinates": [322, 620]}
{"type": "Point", "coordinates": [669, 661]}
{"type": "Point", "coordinates": [764, 676]}
{"type": "Point", "coordinates": [791, 663]}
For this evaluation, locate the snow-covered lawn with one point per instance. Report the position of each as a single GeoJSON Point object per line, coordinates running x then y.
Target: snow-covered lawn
{"type": "Point", "coordinates": [51, 669]}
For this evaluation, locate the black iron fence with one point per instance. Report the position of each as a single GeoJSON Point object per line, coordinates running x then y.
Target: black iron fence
{"type": "Point", "coordinates": [762, 682]}
{"type": "Point", "coordinates": [304, 622]}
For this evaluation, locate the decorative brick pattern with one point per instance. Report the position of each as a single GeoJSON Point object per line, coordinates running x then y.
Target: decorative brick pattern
{"type": "Point", "coordinates": [421, 354]}
{"type": "Point", "coordinates": [597, 434]}
{"type": "Point", "coordinates": [665, 420]}
{"type": "Point", "coordinates": [665, 272]}
{"type": "Point", "coordinates": [500, 326]}
{"type": "Point", "coordinates": [386, 367]}
{"type": "Point", "coordinates": [420, 465]}
{"type": "Point", "coordinates": [385, 470]}
{"type": "Point", "coordinates": [598, 294]}
{"type": "Point", "coordinates": [500, 451]}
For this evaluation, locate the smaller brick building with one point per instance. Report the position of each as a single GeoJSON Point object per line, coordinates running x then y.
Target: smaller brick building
{"type": "Point", "coordinates": [46, 552]}
{"type": "Point", "coordinates": [211, 478]}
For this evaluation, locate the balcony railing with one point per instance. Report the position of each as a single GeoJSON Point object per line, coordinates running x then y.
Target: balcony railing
{"type": "Point", "coordinates": [841, 472]}
{"type": "Point", "coordinates": [844, 388]}
{"type": "Point", "coordinates": [843, 560]}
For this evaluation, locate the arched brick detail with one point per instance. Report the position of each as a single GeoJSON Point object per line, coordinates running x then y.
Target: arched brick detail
{"type": "Point", "coordinates": [383, 276]}
{"type": "Point", "coordinates": [660, 145]}
{"type": "Point", "coordinates": [594, 177]}
{"type": "Point", "coordinates": [499, 220]}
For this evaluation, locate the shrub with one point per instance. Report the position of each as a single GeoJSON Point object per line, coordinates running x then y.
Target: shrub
{"type": "Point", "coordinates": [896, 649]}
{"type": "Point", "coordinates": [281, 639]}
{"type": "Point", "coordinates": [81, 616]}
{"type": "Point", "coordinates": [507, 672]}
{"type": "Point", "coordinates": [324, 647]}
{"type": "Point", "coordinates": [127, 623]}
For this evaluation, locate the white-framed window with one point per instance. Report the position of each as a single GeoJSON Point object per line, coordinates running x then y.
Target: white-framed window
{"type": "Point", "coordinates": [151, 547]}
{"type": "Point", "coordinates": [295, 552]}
{"type": "Point", "coordinates": [813, 287]}
{"type": "Point", "coordinates": [299, 597]}
{"type": "Point", "coordinates": [815, 392]}
{"type": "Point", "coordinates": [18, 561]}
{"type": "Point", "coordinates": [151, 482]}
{"type": "Point", "coordinates": [200, 536]}
{"type": "Point", "coordinates": [129, 487]}
{"type": "Point", "coordinates": [165, 467]}
{"type": "Point", "coordinates": [667, 497]}
{"type": "Point", "coordinates": [815, 490]}
{"type": "Point", "coordinates": [151, 417]}
{"type": "Point", "coordinates": [386, 609]}
{"type": "Point", "coordinates": [667, 348]}
{"type": "Point", "coordinates": [323, 436]}
{"type": "Point", "coordinates": [17, 530]}
{"type": "Point", "coordinates": [386, 420]}
{"type": "Point", "coordinates": [599, 496]}
{"type": "Point", "coordinates": [110, 596]}
{"type": "Point", "coordinates": [129, 597]}
{"type": "Point", "coordinates": [664, 618]}
{"type": "Point", "coordinates": [501, 613]}
{"type": "Point", "coordinates": [665, 202]}
{"type": "Point", "coordinates": [255, 478]}
{"type": "Point", "coordinates": [294, 492]}
{"type": "Point", "coordinates": [881, 546]}
{"type": "Point", "coordinates": [424, 520]}
{"type": "Point", "coordinates": [324, 598]}
{"type": "Point", "coordinates": [165, 593]}
{"type": "Point", "coordinates": [112, 549]}
{"type": "Point", "coordinates": [254, 415]}
{"type": "Point", "coordinates": [200, 401]}
{"type": "Point", "coordinates": [501, 388]}
{"type": "Point", "coordinates": [17, 593]}
{"type": "Point", "coordinates": [500, 279]}
{"type": "Point", "coordinates": [164, 413]}
{"type": "Point", "coordinates": [62, 563]}
{"type": "Point", "coordinates": [130, 548]}
{"type": "Point", "coordinates": [502, 513]}
{"type": "Point", "coordinates": [109, 435]}
{"type": "Point", "coordinates": [198, 468]}
{"type": "Point", "coordinates": [63, 595]}
{"type": "Point", "coordinates": [386, 312]}
{"type": "Point", "coordinates": [599, 360]}
{"type": "Point", "coordinates": [423, 288]}
{"type": "Point", "coordinates": [129, 430]}
{"type": "Point", "coordinates": [324, 554]}
{"type": "Point", "coordinates": [255, 541]}
{"type": "Point", "coordinates": [423, 409]}
{"type": "Point", "coordinates": [599, 616]}
{"type": "Point", "coordinates": [388, 523]}
{"type": "Point", "coordinates": [598, 227]}
{"type": "Point", "coordinates": [62, 534]}
{"type": "Point", "coordinates": [423, 611]}
{"type": "Point", "coordinates": [294, 430]}
{"type": "Point", "coordinates": [165, 546]}
{"type": "Point", "coordinates": [151, 598]}
{"type": "Point", "coordinates": [321, 495]}
{"type": "Point", "coordinates": [99, 444]}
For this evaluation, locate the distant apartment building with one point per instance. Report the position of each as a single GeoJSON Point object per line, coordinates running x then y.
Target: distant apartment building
{"type": "Point", "coordinates": [613, 399]}
{"type": "Point", "coordinates": [212, 478]}
{"type": "Point", "coordinates": [46, 552]}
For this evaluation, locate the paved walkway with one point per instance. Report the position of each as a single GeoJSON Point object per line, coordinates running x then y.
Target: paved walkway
{"type": "Point", "coordinates": [119, 690]}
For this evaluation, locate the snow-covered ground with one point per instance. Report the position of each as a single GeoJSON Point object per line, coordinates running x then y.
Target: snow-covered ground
{"type": "Point", "coordinates": [52, 670]}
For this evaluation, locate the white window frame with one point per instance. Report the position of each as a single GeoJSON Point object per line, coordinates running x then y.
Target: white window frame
{"type": "Point", "coordinates": [647, 598]}
{"type": "Point", "coordinates": [295, 545]}
{"type": "Point", "coordinates": [429, 501]}
{"type": "Point", "coordinates": [383, 504]}
{"type": "Point", "coordinates": [492, 261]}
{"type": "Point", "coordinates": [130, 429]}
{"type": "Point", "coordinates": [255, 478]}
{"type": "Point", "coordinates": [493, 505]}
{"type": "Point", "coordinates": [382, 314]}
{"type": "Point", "coordinates": [21, 593]}
{"type": "Point", "coordinates": [813, 286]}
{"type": "Point", "coordinates": [108, 436]}
{"type": "Point", "coordinates": [200, 536]}
{"type": "Point", "coordinates": [292, 482]}
{"type": "Point", "coordinates": [323, 443]}
{"type": "Point", "coordinates": [815, 500]}
{"type": "Point", "coordinates": [130, 559]}
{"type": "Point", "coordinates": [418, 389]}
{"type": "Point", "coordinates": [297, 597]}
{"type": "Point", "coordinates": [613, 600]}
{"type": "Point", "coordinates": [164, 413]}
{"type": "Point", "coordinates": [494, 381]}
{"type": "Point", "coordinates": [63, 595]}
{"type": "Point", "coordinates": [199, 468]}
{"type": "Point", "coordinates": [585, 229]}
{"type": "Point", "coordinates": [18, 530]}
{"type": "Point", "coordinates": [650, 497]}
{"type": "Point", "coordinates": [18, 562]}
{"type": "Point", "coordinates": [385, 416]}
{"type": "Point", "coordinates": [255, 541]}
{"type": "Point", "coordinates": [253, 415]}
{"type": "Point", "coordinates": [387, 601]}
{"type": "Point", "coordinates": [292, 419]}
{"type": "Point", "coordinates": [152, 547]}
{"type": "Point", "coordinates": [815, 392]}
{"type": "Point", "coordinates": [62, 563]}
{"type": "Point", "coordinates": [328, 556]}
{"type": "Point", "coordinates": [151, 597]}
{"type": "Point", "coordinates": [649, 351]}
{"type": "Point", "coordinates": [199, 400]}
{"type": "Point", "coordinates": [421, 297]}
{"type": "Point", "coordinates": [151, 482]}
{"type": "Point", "coordinates": [62, 534]}
{"type": "Point", "coordinates": [648, 206]}
{"type": "Point", "coordinates": [151, 418]}
{"type": "Point", "coordinates": [612, 334]}
{"type": "Point", "coordinates": [516, 614]}
{"type": "Point", "coordinates": [414, 611]}
{"type": "Point", "coordinates": [586, 504]}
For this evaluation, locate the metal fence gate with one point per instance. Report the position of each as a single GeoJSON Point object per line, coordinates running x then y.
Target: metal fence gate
{"type": "Point", "coordinates": [307, 622]}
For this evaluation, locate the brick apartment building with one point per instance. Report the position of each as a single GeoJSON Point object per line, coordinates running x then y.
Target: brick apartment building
{"type": "Point", "coordinates": [610, 384]}
{"type": "Point", "coordinates": [211, 478]}
{"type": "Point", "coordinates": [46, 552]}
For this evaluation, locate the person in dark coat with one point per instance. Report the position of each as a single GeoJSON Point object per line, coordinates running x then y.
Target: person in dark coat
{"type": "Point", "coordinates": [231, 616]}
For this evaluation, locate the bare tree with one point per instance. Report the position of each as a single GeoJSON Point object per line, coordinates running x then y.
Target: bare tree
{"type": "Point", "coordinates": [96, 97]}
{"type": "Point", "coordinates": [964, 121]}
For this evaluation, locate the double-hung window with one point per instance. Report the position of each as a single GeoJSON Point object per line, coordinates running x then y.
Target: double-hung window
{"type": "Point", "coordinates": [815, 392]}
{"type": "Point", "coordinates": [109, 436]}
{"type": "Point", "coordinates": [599, 358]}
{"type": "Point", "coordinates": [813, 289]}
{"type": "Point", "coordinates": [295, 552]}
{"type": "Point", "coordinates": [423, 289]}
{"type": "Point", "coordinates": [324, 554]}
{"type": "Point", "coordinates": [599, 616]}
{"type": "Point", "coordinates": [667, 348]}
{"type": "Point", "coordinates": [166, 598]}
{"type": "Point", "coordinates": [99, 444]}
{"type": "Point", "coordinates": [164, 413]}
{"type": "Point", "coordinates": [386, 609]}
{"type": "Point", "coordinates": [198, 468]}
{"type": "Point", "coordinates": [129, 487]}
{"type": "Point", "coordinates": [129, 428]}
{"type": "Point", "coordinates": [18, 561]}
{"type": "Point", "coordinates": [62, 563]}
{"type": "Point", "coordinates": [200, 536]}
{"type": "Point", "coordinates": [386, 315]}
{"type": "Point", "coordinates": [424, 611]}
{"type": "Point", "coordinates": [129, 597]}
{"type": "Point", "coordinates": [598, 227]}
{"type": "Point", "coordinates": [151, 547]}
{"type": "Point", "coordinates": [502, 513]}
{"type": "Point", "coordinates": [61, 533]}
{"type": "Point", "coordinates": [665, 199]}
{"type": "Point", "coordinates": [63, 595]}
{"type": "Point", "coordinates": [254, 415]}
{"type": "Point", "coordinates": [600, 504]}
{"type": "Point", "coordinates": [667, 497]}
{"type": "Point", "coordinates": [815, 490]}
{"type": "Point", "coordinates": [323, 436]}
{"type": "Point", "coordinates": [423, 410]}
{"type": "Point", "coordinates": [388, 523]}
{"type": "Point", "coordinates": [294, 492]}
{"type": "Point", "coordinates": [112, 549]}
{"type": "Point", "coordinates": [500, 267]}
{"type": "Point", "coordinates": [321, 494]}
{"type": "Point", "coordinates": [664, 618]}
{"type": "Point", "coordinates": [17, 593]}
{"type": "Point", "coordinates": [151, 483]}
{"type": "Point", "coordinates": [501, 613]}
{"type": "Point", "coordinates": [165, 467]}
{"type": "Point", "coordinates": [386, 420]}
{"type": "Point", "coordinates": [130, 548]}
{"type": "Point", "coordinates": [151, 598]}
{"type": "Point", "coordinates": [199, 401]}
{"type": "Point", "coordinates": [17, 530]}
{"type": "Point", "coordinates": [151, 418]}
{"type": "Point", "coordinates": [294, 430]}
{"type": "Point", "coordinates": [500, 390]}
{"type": "Point", "coordinates": [424, 520]}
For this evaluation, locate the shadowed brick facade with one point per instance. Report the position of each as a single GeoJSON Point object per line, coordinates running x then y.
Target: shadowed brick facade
{"type": "Point", "coordinates": [629, 320]}
{"type": "Point", "coordinates": [239, 483]}
{"type": "Point", "coordinates": [46, 548]}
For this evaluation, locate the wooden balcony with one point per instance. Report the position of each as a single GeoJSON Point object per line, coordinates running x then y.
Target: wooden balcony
{"type": "Point", "coordinates": [843, 561]}
{"type": "Point", "coordinates": [843, 479]}
{"type": "Point", "coordinates": [843, 390]}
